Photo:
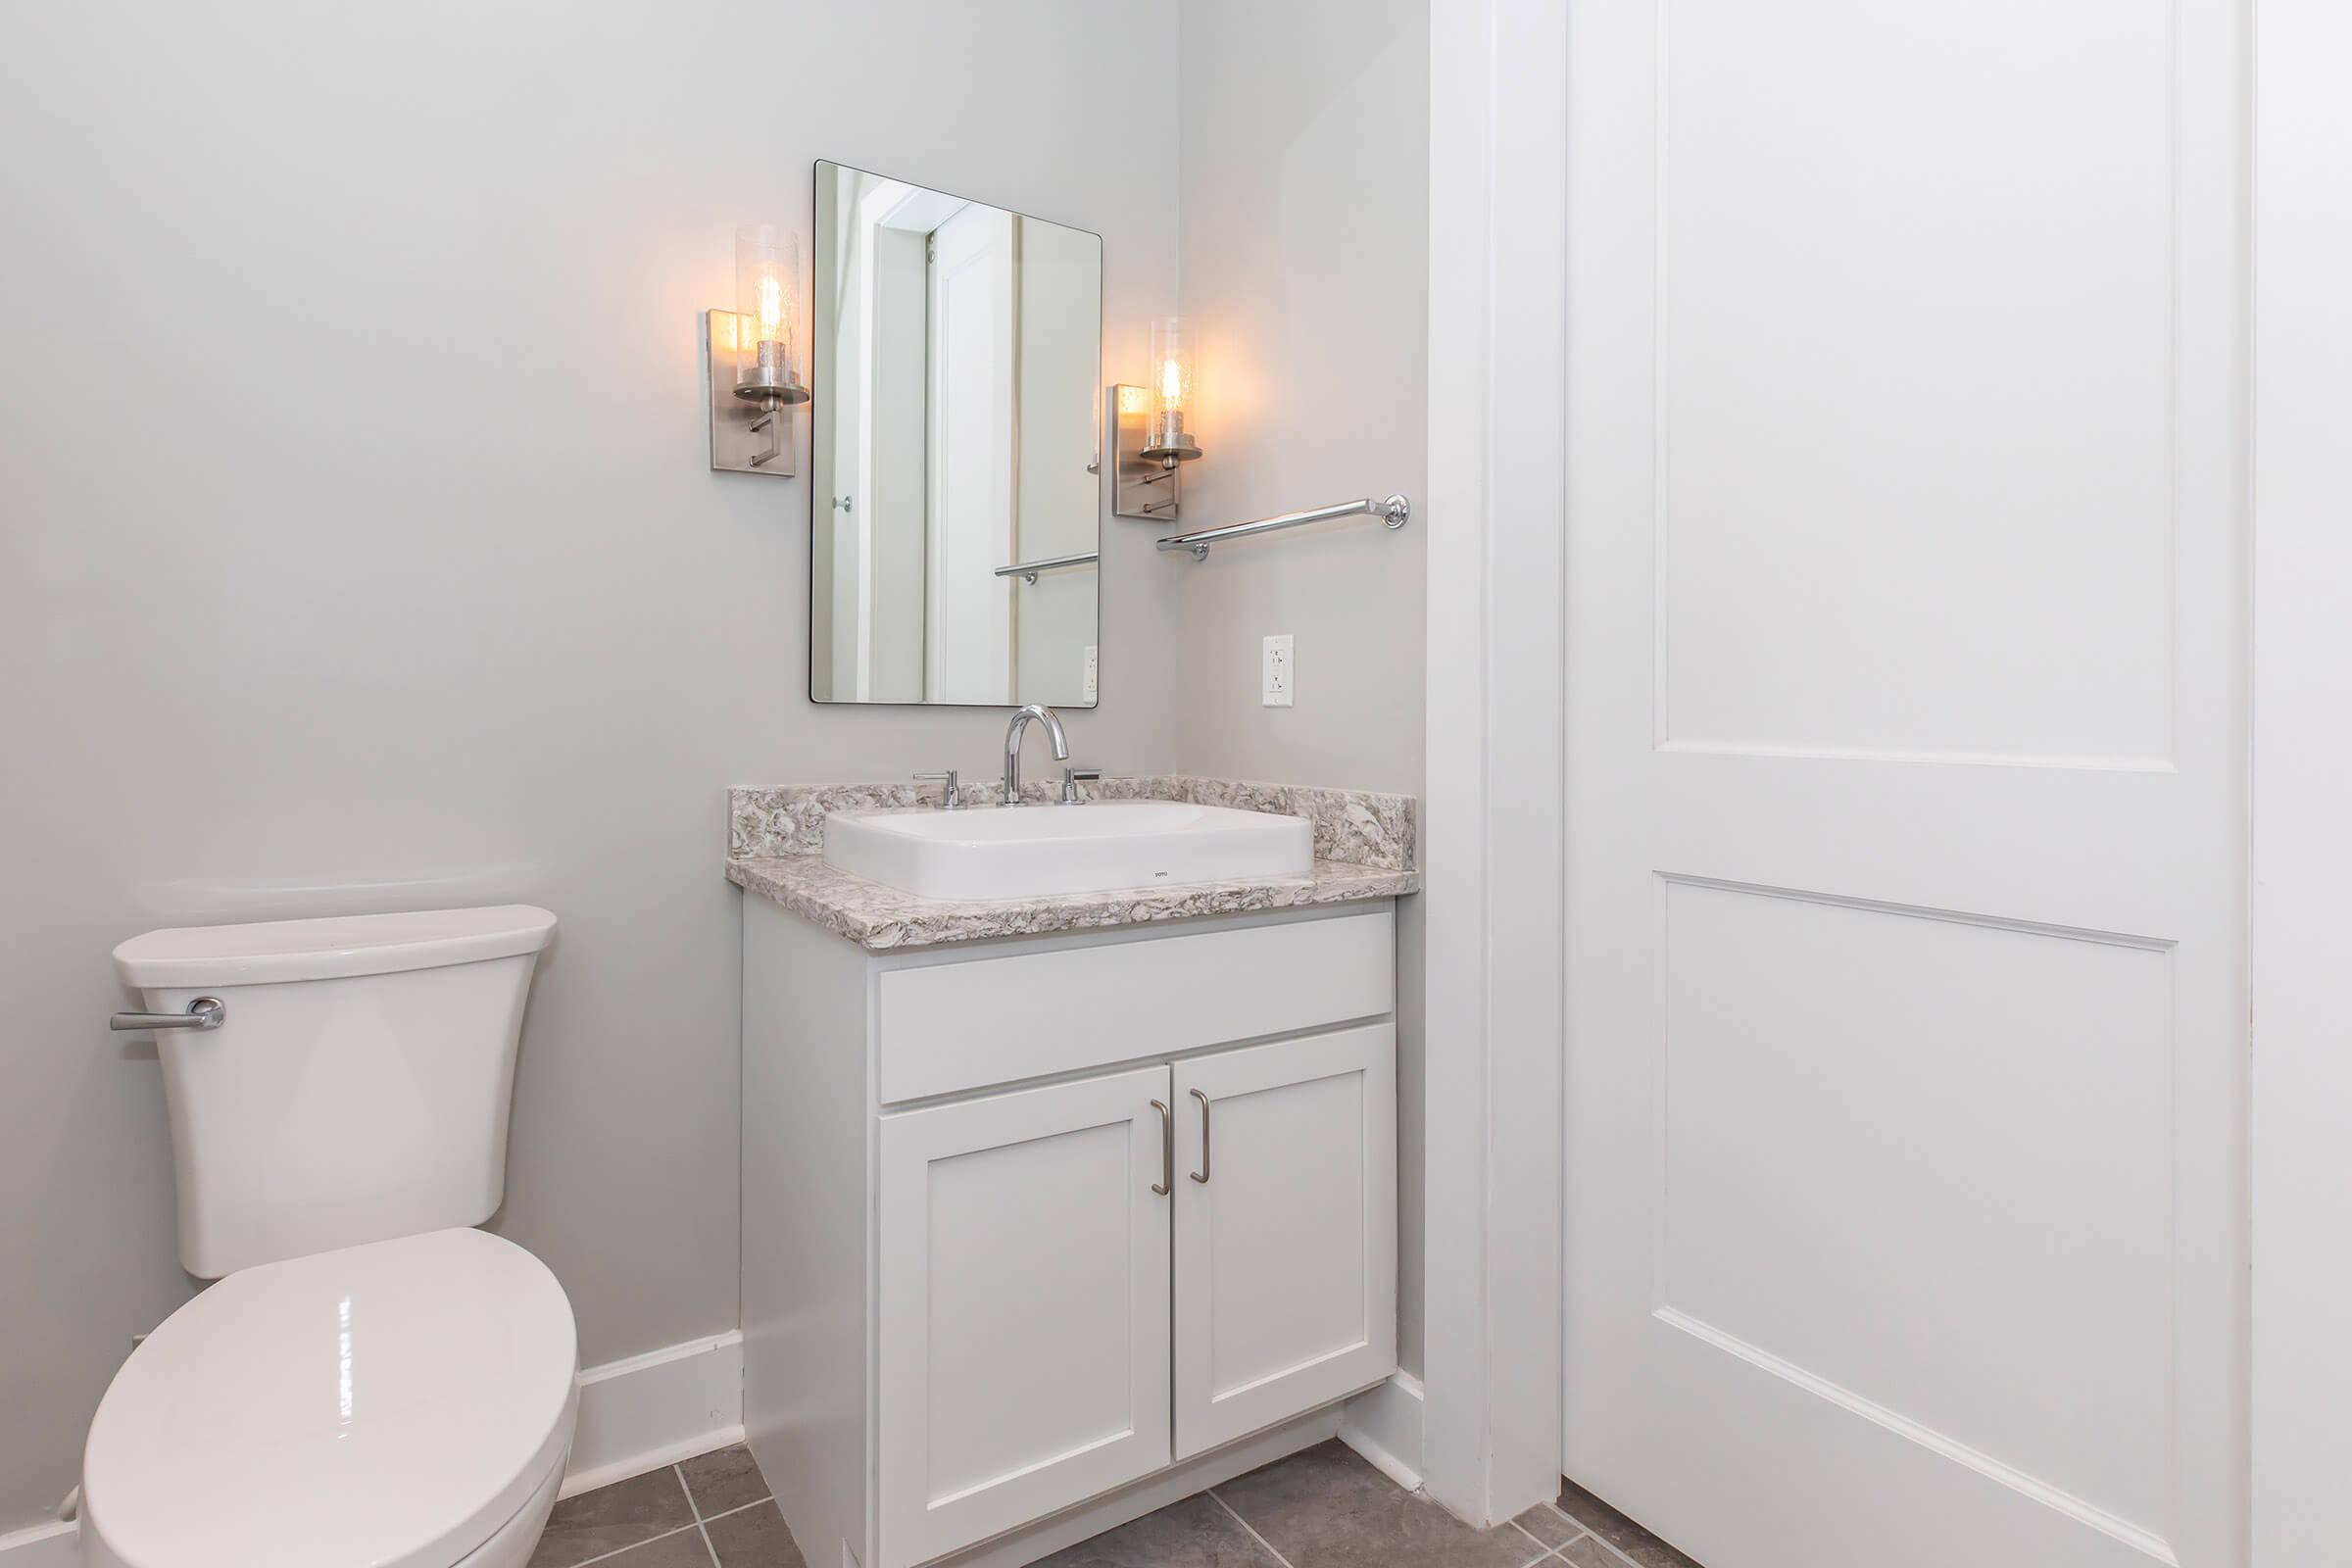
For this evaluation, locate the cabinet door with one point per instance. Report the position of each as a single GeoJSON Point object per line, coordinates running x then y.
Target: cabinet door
{"type": "Point", "coordinates": [1286, 1230]}
{"type": "Point", "coordinates": [1023, 1321]}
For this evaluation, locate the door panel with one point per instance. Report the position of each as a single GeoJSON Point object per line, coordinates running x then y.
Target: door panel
{"type": "Point", "coordinates": [1914, 348]}
{"type": "Point", "coordinates": [1997, 1086]}
{"type": "Point", "coordinates": [1285, 1255]}
{"type": "Point", "coordinates": [1906, 612]}
{"type": "Point", "coordinates": [1025, 1307]}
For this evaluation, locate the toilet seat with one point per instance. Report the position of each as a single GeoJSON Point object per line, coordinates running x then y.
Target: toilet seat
{"type": "Point", "coordinates": [391, 1405]}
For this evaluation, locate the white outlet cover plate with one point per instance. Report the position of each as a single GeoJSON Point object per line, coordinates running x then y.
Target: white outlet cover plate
{"type": "Point", "coordinates": [1277, 673]}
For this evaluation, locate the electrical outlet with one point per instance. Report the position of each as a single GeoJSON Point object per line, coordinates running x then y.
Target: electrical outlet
{"type": "Point", "coordinates": [1275, 672]}
{"type": "Point", "coordinates": [1086, 682]}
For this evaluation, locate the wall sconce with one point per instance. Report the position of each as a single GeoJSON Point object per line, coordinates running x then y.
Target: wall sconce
{"type": "Point", "coordinates": [752, 364]}
{"type": "Point", "coordinates": [1149, 423]}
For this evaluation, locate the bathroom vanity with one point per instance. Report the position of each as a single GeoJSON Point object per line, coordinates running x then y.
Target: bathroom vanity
{"type": "Point", "coordinates": [1058, 1208]}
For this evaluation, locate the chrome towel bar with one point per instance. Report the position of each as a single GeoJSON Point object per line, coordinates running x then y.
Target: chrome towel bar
{"type": "Point", "coordinates": [1027, 571]}
{"type": "Point", "coordinates": [1392, 511]}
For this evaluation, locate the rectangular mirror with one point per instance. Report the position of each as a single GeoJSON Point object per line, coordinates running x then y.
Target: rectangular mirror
{"type": "Point", "coordinates": [955, 489]}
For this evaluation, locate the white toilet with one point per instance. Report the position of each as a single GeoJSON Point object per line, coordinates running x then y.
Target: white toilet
{"type": "Point", "coordinates": [370, 1384]}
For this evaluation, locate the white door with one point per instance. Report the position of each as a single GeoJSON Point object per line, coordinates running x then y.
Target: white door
{"type": "Point", "coordinates": [2302, 1371]}
{"type": "Point", "coordinates": [1906, 609]}
{"type": "Point", "coordinates": [1286, 1230]}
{"type": "Point", "coordinates": [1024, 1347]}
{"type": "Point", "coordinates": [971, 460]}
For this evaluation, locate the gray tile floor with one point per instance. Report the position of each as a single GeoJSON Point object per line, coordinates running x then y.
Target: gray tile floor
{"type": "Point", "coordinates": [712, 1509]}
{"type": "Point", "coordinates": [1321, 1508]}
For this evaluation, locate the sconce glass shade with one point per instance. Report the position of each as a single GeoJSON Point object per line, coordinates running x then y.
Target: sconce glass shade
{"type": "Point", "coordinates": [1171, 394]}
{"type": "Point", "coordinates": [767, 304]}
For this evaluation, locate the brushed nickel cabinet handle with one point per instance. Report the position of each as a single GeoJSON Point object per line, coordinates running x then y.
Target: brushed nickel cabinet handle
{"type": "Point", "coordinates": [1202, 1175]}
{"type": "Point", "coordinates": [1167, 1149]}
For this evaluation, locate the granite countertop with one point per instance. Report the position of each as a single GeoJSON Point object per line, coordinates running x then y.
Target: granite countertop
{"type": "Point", "coordinates": [1366, 848]}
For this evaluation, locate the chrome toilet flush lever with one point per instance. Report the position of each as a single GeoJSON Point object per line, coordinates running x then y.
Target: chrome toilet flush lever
{"type": "Point", "coordinates": [205, 1012]}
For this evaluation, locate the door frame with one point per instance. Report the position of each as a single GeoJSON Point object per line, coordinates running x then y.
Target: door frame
{"type": "Point", "coordinates": [2302, 840]}
{"type": "Point", "coordinates": [1496, 739]}
{"type": "Point", "coordinates": [1492, 883]}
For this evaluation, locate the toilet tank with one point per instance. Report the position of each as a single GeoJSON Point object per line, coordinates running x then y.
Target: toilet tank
{"type": "Point", "coordinates": [358, 1085]}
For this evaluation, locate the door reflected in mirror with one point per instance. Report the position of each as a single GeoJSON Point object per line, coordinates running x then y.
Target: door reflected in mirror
{"type": "Point", "coordinates": [955, 497]}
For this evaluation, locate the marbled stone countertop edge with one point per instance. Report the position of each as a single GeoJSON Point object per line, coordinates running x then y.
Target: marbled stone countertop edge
{"type": "Point", "coordinates": [883, 918]}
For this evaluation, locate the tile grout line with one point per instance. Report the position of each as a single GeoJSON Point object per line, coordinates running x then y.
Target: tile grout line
{"type": "Point", "coordinates": [1247, 1524]}
{"type": "Point", "coordinates": [1544, 1554]}
{"type": "Point", "coordinates": [607, 1556]}
{"type": "Point", "coordinates": [741, 1507]}
{"type": "Point", "coordinates": [699, 1523]}
{"type": "Point", "coordinates": [1603, 1543]}
{"type": "Point", "coordinates": [1584, 1532]}
{"type": "Point", "coordinates": [700, 1526]}
{"type": "Point", "coordinates": [1606, 1545]}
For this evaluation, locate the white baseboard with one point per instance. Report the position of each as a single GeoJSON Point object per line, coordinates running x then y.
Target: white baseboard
{"type": "Point", "coordinates": [654, 1409]}
{"type": "Point", "coordinates": [1384, 1425]}
{"type": "Point", "coordinates": [635, 1415]}
{"type": "Point", "coordinates": [50, 1546]}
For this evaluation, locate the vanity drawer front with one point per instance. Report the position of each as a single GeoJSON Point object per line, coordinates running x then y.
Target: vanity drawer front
{"type": "Point", "coordinates": [949, 1027]}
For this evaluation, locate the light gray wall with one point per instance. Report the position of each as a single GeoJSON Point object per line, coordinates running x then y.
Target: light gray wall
{"type": "Point", "coordinates": [1305, 245]}
{"type": "Point", "coordinates": [360, 552]}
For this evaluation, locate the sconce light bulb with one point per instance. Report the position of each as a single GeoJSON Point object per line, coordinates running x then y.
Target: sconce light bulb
{"type": "Point", "coordinates": [1172, 368]}
{"type": "Point", "coordinates": [771, 306]}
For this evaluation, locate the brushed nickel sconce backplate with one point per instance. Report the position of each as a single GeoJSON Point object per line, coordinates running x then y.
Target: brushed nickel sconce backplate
{"type": "Point", "coordinates": [748, 434]}
{"type": "Point", "coordinates": [1140, 486]}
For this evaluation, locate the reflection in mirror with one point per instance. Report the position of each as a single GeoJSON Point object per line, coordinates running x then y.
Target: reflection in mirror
{"type": "Point", "coordinates": [957, 357]}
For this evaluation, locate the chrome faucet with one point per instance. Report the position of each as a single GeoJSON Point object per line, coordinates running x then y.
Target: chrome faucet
{"type": "Point", "coordinates": [1012, 746]}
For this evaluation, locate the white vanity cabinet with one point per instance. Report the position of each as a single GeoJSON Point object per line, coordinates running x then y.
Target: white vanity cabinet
{"type": "Point", "coordinates": [1040, 1233]}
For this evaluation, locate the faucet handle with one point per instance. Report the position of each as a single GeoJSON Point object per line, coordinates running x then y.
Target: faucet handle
{"type": "Point", "coordinates": [1071, 778]}
{"type": "Point", "coordinates": [950, 798]}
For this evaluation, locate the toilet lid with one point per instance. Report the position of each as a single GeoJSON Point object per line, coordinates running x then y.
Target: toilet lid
{"type": "Point", "coordinates": [381, 1406]}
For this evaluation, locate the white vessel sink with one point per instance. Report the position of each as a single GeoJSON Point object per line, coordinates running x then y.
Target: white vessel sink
{"type": "Point", "coordinates": [1028, 852]}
